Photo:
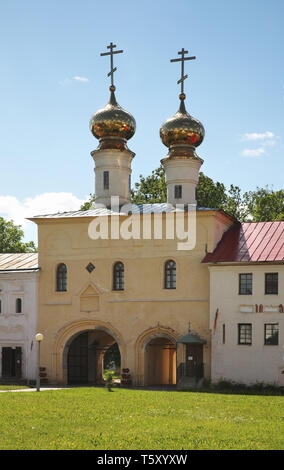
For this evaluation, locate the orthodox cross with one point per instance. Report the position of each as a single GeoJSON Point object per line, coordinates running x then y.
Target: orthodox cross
{"type": "Point", "coordinates": [111, 53]}
{"type": "Point", "coordinates": [182, 59]}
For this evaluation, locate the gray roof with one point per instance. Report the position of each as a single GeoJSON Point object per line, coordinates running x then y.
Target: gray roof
{"type": "Point", "coordinates": [18, 261]}
{"type": "Point", "coordinates": [103, 211]}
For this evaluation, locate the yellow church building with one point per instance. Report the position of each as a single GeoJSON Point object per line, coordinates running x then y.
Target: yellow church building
{"type": "Point", "coordinates": [131, 275]}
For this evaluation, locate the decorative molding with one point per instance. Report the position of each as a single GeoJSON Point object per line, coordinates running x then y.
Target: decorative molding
{"type": "Point", "coordinates": [158, 300]}
{"type": "Point", "coordinates": [57, 303]}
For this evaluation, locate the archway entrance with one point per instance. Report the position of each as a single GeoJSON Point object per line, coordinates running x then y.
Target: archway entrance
{"type": "Point", "coordinates": [160, 362]}
{"type": "Point", "coordinates": [85, 357]}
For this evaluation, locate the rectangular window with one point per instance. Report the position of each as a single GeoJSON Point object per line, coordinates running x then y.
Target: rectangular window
{"type": "Point", "coordinates": [271, 334]}
{"type": "Point", "coordinates": [271, 283]}
{"type": "Point", "coordinates": [129, 183]}
{"type": "Point", "coordinates": [224, 333]}
{"type": "Point", "coordinates": [106, 180]}
{"type": "Point", "coordinates": [178, 191]}
{"type": "Point", "coordinates": [245, 333]}
{"type": "Point", "coordinates": [0, 306]}
{"type": "Point", "coordinates": [245, 284]}
{"type": "Point", "coordinates": [18, 305]}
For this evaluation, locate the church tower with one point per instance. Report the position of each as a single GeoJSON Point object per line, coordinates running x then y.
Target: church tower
{"type": "Point", "coordinates": [113, 127]}
{"type": "Point", "coordinates": [182, 133]}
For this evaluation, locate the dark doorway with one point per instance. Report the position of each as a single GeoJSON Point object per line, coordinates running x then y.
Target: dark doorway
{"type": "Point", "coordinates": [12, 362]}
{"type": "Point", "coordinates": [85, 357]}
{"type": "Point", "coordinates": [78, 360]}
{"type": "Point", "coordinates": [194, 360]}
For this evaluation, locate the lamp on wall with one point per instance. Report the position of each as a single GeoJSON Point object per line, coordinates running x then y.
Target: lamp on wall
{"type": "Point", "coordinates": [39, 338]}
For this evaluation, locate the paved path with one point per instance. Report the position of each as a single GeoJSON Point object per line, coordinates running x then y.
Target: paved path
{"type": "Point", "coordinates": [42, 389]}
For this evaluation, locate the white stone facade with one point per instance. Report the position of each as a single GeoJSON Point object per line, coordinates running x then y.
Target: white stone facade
{"type": "Point", "coordinates": [18, 329]}
{"type": "Point", "coordinates": [243, 363]}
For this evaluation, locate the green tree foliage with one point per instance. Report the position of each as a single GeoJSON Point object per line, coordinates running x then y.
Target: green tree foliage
{"type": "Point", "coordinates": [111, 355]}
{"type": "Point", "coordinates": [151, 189]}
{"type": "Point", "coordinates": [88, 204]}
{"type": "Point", "coordinates": [265, 204]}
{"type": "Point", "coordinates": [11, 238]}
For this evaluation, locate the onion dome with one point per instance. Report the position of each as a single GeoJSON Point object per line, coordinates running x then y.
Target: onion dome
{"type": "Point", "coordinates": [182, 130]}
{"type": "Point", "coordinates": [112, 125]}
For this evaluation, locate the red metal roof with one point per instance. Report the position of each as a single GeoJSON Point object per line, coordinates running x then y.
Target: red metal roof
{"type": "Point", "coordinates": [250, 241]}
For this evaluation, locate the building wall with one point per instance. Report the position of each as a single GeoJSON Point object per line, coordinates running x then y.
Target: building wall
{"type": "Point", "coordinates": [143, 311]}
{"type": "Point", "coordinates": [246, 363]}
{"type": "Point", "coordinates": [19, 329]}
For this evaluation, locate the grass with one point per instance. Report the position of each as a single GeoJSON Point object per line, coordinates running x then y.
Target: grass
{"type": "Point", "coordinates": [12, 387]}
{"type": "Point", "coordinates": [92, 418]}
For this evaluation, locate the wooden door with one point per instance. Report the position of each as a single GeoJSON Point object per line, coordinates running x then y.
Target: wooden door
{"type": "Point", "coordinates": [78, 360]}
{"type": "Point", "coordinates": [12, 362]}
{"type": "Point", "coordinates": [194, 359]}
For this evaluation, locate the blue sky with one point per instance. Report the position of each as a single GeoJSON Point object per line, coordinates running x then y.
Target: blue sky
{"type": "Point", "coordinates": [53, 79]}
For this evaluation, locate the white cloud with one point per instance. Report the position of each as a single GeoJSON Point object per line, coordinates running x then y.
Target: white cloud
{"type": "Point", "coordinates": [253, 152]}
{"type": "Point", "coordinates": [81, 79]}
{"type": "Point", "coordinates": [77, 78]}
{"type": "Point", "coordinates": [45, 203]}
{"type": "Point", "coordinates": [258, 136]}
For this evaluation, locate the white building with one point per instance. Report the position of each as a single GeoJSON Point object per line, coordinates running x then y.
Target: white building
{"type": "Point", "coordinates": [18, 316]}
{"type": "Point", "coordinates": [246, 304]}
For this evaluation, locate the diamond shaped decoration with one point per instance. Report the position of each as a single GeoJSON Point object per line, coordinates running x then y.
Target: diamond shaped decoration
{"type": "Point", "coordinates": [90, 267]}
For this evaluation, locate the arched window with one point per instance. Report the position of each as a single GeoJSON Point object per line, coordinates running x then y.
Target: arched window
{"type": "Point", "coordinates": [18, 305]}
{"type": "Point", "coordinates": [61, 278]}
{"type": "Point", "coordinates": [170, 275]}
{"type": "Point", "coordinates": [118, 276]}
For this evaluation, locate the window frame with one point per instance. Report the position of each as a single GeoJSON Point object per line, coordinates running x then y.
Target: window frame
{"type": "Point", "coordinates": [265, 331]}
{"type": "Point", "coordinates": [18, 302]}
{"type": "Point", "coordinates": [170, 283]}
{"type": "Point", "coordinates": [106, 180]}
{"type": "Point", "coordinates": [63, 280]}
{"type": "Point", "coordinates": [118, 276]}
{"type": "Point", "coordinates": [246, 283]}
{"type": "Point", "coordinates": [224, 334]}
{"type": "Point", "coordinates": [266, 282]}
{"type": "Point", "coordinates": [178, 191]}
{"type": "Point", "coordinates": [239, 334]}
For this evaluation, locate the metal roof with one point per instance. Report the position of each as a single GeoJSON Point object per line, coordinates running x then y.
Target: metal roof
{"type": "Point", "coordinates": [191, 338]}
{"type": "Point", "coordinates": [132, 208]}
{"type": "Point", "coordinates": [250, 242]}
{"type": "Point", "coordinates": [18, 261]}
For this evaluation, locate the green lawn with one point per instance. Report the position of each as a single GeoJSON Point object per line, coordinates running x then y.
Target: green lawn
{"type": "Point", "coordinates": [93, 418]}
{"type": "Point", "coordinates": [12, 387]}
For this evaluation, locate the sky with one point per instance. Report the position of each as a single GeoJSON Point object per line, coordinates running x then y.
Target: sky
{"type": "Point", "coordinates": [53, 79]}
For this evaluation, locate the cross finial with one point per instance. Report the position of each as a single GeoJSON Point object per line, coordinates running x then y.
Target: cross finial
{"type": "Point", "coordinates": [111, 53]}
{"type": "Point", "coordinates": [183, 77]}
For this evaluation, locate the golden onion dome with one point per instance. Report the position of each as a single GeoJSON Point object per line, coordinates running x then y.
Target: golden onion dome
{"type": "Point", "coordinates": [182, 128]}
{"type": "Point", "coordinates": [112, 121]}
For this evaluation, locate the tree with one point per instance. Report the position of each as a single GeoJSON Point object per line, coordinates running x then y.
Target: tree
{"type": "Point", "coordinates": [112, 355]}
{"type": "Point", "coordinates": [88, 204]}
{"type": "Point", "coordinates": [264, 204]}
{"type": "Point", "coordinates": [151, 189]}
{"type": "Point", "coordinates": [11, 238]}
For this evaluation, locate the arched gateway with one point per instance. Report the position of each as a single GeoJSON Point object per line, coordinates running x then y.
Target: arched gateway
{"type": "Point", "coordinates": [79, 350]}
{"type": "Point", "coordinates": [156, 357]}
